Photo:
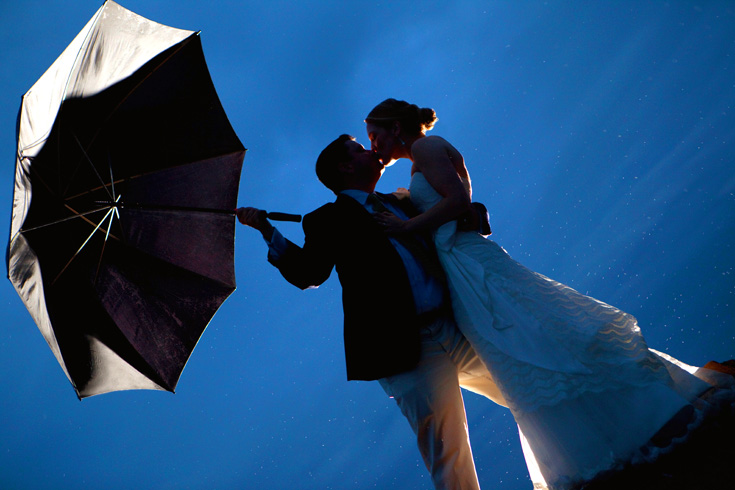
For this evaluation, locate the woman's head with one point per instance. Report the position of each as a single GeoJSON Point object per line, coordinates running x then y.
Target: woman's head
{"type": "Point", "coordinates": [413, 119]}
{"type": "Point", "coordinates": [393, 122]}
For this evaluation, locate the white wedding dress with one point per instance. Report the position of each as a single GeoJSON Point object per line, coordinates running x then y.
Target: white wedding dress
{"type": "Point", "coordinates": [585, 390]}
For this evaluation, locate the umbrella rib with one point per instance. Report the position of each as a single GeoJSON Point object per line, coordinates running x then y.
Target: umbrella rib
{"type": "Point", "coordinates": [76, 213]}
{"type": "Point", "coordinates": [104, 244]}
{"type": "Point", "coordinates": [112, 179]}
{"type": "Point", "coordinates": [130, 92]}
{"type": "Point", "coordinates": [75, 216]}
{"type": "Point", "coordinates": [104, 208]}
{"type": "Point", "coordinates": [133, 177]}
{"type": "Point", "coordinates": [110, 211]}
{"type": "Point", "coordinates": [94, 189]}
{"type": "Point", "coordinates": [38, 176]}
{"type": "Point", "coordinates": [84, 48]}
{"type": "Point", "coordinates": [162, 207]}
{"type": "Point", "coordinates": [62, 220]}
{"type": "Point", "coordinates": [91, 164]}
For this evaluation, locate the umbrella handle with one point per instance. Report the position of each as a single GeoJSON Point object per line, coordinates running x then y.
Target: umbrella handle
{"type": "Point", "coordinates": [275, 216]}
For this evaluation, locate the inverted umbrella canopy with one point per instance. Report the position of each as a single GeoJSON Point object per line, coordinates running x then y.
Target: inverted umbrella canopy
{"type": "Point", "coordinates": [122, 232]}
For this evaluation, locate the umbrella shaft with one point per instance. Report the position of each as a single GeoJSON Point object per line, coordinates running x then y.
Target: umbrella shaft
{"type": "Point", "coordinates": [161, 207]}
{"type": "Point", "coordinates": [156, 207]}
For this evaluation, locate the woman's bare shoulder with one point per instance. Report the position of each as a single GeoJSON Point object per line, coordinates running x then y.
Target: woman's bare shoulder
{"type": "Point", "coordinates": [433, 141]}
{"type": "Point", "coordinates": [431, 146]}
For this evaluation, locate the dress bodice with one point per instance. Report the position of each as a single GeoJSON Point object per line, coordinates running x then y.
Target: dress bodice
{"type": "Point", "coordinates": [424, 197]}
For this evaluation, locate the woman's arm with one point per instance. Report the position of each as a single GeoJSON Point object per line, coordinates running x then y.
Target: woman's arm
{"type": "Point", "coordinates": [431, 158]}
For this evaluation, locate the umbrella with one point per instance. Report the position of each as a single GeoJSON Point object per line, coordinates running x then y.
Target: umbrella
{"type": "Point", "coordinates": [122, 233]}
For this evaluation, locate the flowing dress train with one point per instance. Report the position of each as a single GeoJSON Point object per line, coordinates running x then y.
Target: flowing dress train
{"type": "Point", "coordinates": [584, 388]}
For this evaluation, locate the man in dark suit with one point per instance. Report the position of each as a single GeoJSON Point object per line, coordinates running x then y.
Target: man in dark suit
{"type": "Point", "coordinates": [398, 326]}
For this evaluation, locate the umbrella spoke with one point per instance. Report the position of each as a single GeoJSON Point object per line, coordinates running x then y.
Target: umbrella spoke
{"type": "Point", "coordinates": [37, 175]}
{"type": "Point", "coordinates": [104, 244]}
{"type": "Point", "coordinates": [68, 218]}
{"type": "Point", "coordinates": [92, 222]}
{"type": "Point", "coordinates": [109, 212]}
{"type": "Point", "coordinates": [75, 216]}
{"type": "Point", "coordinates": [95, 189]}
{"type": "Point", "coordinates": [123, 98]}
{"type": "Point", "coordinates": [94, 169]}
{"type": "Point", "coordinates": [112, 179]}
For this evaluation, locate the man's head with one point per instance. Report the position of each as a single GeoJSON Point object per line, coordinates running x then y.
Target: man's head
{"type": "Point", "coordinates": [346, 164]}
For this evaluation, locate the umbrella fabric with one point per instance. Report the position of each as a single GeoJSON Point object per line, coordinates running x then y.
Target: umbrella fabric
{"type": "Point", "coordinates": [122, 232]}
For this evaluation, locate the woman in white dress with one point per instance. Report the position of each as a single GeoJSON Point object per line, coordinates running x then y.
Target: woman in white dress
{"type": "Point", "coordinates": [587, 393]}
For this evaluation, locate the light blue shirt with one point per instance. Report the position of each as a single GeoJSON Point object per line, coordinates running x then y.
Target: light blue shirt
{"type": "Point", "coordinates": [428, 293]}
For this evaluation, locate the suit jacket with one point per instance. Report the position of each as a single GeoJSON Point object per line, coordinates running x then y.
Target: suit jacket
{"type": "Point", "coordinates": [381, 327]}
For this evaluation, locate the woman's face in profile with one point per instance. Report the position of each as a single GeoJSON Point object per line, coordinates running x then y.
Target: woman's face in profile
{"type": "Point", "coordinates": [382, 142]}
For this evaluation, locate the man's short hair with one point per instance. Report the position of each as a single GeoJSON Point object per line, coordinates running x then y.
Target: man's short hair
{"type": "Point", "coordinates": [327, 165]}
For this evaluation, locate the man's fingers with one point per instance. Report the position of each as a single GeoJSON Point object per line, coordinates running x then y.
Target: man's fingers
{"type": "Point", "coordinates": [251, 216]}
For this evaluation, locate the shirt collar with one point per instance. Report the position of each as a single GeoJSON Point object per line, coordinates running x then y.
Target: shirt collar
{"type": "Point", "coordinates": [357, 195]}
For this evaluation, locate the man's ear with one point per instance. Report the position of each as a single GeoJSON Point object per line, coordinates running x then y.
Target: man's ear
{"type": "Point", "coordinates": [346, 167]}
{"type": "Point", "coordinates": [396, 129]}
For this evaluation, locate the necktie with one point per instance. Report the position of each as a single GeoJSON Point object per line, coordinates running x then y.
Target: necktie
{"type": "Point", "coordinates": [377, 203]}
{"type": "Point", "coordinates": [413, 243]}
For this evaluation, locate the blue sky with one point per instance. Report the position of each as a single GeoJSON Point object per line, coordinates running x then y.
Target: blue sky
{"type": "Point", "coordinates": [600, 135]}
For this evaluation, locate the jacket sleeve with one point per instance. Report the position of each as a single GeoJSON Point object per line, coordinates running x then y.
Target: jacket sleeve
{"type": "Point", "coordinates": [308, 266]}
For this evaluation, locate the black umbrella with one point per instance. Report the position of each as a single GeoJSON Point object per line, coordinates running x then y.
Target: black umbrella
{"type": "Point", "coordinates": [122, 234]}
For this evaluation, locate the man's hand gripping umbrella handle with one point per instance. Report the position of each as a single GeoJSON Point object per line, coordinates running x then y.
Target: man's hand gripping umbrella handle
{"type": "Point", "coordinates": [275, 216]}
{"type": "Point", "coordinates": [258, 219]}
